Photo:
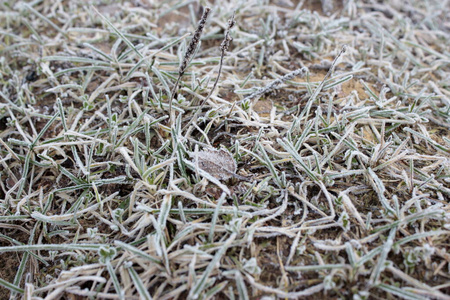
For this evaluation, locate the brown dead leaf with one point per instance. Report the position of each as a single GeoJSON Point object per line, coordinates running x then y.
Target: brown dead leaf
{"type": "Point", "coordinates": [218, 163]}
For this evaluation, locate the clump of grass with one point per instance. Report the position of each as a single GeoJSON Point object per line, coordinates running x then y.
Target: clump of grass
{"type": "Point", "coordinates": [310, 173]}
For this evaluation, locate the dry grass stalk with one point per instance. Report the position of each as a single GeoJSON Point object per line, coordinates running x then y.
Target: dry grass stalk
{"type": "Point", "coordinates": [223, 49]}
{"type": "Point", "coordinates": [188, 55]}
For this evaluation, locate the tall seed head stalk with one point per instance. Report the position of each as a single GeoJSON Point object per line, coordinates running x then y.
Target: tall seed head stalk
{"type": "Point", "coordinates": [189, 52]}
{"type": "Point", "coordinates": [194, 42]}
{"type": "Point", "coordinates": [223, 48]}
